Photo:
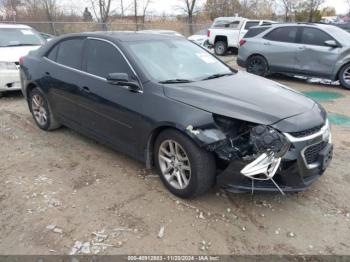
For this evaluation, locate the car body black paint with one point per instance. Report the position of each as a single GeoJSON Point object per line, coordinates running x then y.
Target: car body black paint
{"type": "Point", "coordinates": [127, 120]}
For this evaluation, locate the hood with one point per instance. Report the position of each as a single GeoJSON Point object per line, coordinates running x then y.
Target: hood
{"type": "Point", "coordinates": [12, 54]}
{"type": "Point", "coordinates": [197, 37]}
{"type": "Point", "coordinates": [242, 96]}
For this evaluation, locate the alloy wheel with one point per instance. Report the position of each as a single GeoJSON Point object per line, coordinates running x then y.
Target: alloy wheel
{"type": "Point", "coordinates": [256, 66]}
{"type": "Point", "coordinates": [174, 164]}
{"type": "Point", "coordinates": [346, 75]}
{"type": "Point", "coordinates": [39, 111]}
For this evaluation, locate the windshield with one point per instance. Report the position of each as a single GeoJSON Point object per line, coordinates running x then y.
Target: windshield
{"type": "Point", "coordinates": [338, 33]}
{"type": "Point", "coordinates": [177, 60]}
{"type": "Point", "coordinates": [19, 37]}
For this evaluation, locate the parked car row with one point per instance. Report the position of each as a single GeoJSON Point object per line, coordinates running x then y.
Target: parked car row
{"type": "Point", "coordinates": [314, 50]}
{"type": "Point", "coordinates": [174, 106]}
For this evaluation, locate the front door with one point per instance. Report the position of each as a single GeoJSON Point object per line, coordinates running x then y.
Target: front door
{"type": "Point", "coordinates": [314, 57]}
{"type": "Point", "coordinates": [112, 112]}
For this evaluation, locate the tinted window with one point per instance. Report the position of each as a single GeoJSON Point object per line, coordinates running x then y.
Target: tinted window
{"type": "Point", "coordinates": [69, 53]}
{"type": "Point", "coordinates": [255, 31]}
{"type": "Point", "coordinates": [102, 59]}
{"type": "Point", "coordinates": [53, 53]}
{"type": "Point", "coordinates": [226, 24]}
{"type": "Point", "coordinates": [313, 36]}
{"type": "Point", "coordinates": [249, 24]}
{"type": "Point", "coordinates": [283, 34]}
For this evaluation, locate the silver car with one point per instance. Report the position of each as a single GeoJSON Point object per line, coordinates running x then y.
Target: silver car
{"type": "Point", "coordinates": [315, 50]}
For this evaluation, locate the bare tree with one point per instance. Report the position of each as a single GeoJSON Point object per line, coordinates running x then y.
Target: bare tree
{"type": "Point", "coordinates": [145, 6]}
{"type": "Point", "coordinates": [313, 6]}
{"type": "Point", "coordinates": [51, 9]}
{"type": "Point", "coordinates": [135, 14]}
{"type": "Point", "coordinates": [289, 7]}
{"type": "Point", "coordinates": [122, 8]}
{"type": "Point", "coordinates": [216, 8]}
{"type": "Point", "coordinates": [104, 8]}
{"type": "Point", "coordinates": [348, 2]}
{"type": "Point", "coordinates": [190, 9]}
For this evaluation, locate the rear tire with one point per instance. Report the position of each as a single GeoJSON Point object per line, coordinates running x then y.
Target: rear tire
{"type": "Point", "coordinates": [344, 76]}
{"type": "Point", "coordinates": [257, 65]}
{"type": "Point", "coordinates": [41, 112]}
{"type": "Point", "coordinates": [197, 173]}
{"type": "Point", "coordinates": [220, 48]}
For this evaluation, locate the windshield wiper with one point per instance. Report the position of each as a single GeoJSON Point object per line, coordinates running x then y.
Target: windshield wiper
{"type": "Point", "coordinates": [217, 76]}
{"type": "Point", "coordinates": [175, 81]}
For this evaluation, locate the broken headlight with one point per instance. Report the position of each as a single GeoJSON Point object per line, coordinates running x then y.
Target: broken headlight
{"type": "Point", "coordinates": [268, 139]}
{"type": "Point", "coordinates": [247, 141]}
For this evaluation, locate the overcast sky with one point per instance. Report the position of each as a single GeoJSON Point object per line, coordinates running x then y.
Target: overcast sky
{"type": "Point", "coordinates": [172, 6]}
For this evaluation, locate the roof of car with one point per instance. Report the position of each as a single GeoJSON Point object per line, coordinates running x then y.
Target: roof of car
{"type": "Point", "coordinates": [2, 25]}
{"type": "Point", "coordinates": [127, 36]}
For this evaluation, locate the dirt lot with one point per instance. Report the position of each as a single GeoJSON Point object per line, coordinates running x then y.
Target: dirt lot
{"type": "Point", "coordinates": [58, 188]}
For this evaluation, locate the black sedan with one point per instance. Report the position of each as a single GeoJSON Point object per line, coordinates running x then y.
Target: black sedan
{"type": "Point", "coordinates": [171, 104]}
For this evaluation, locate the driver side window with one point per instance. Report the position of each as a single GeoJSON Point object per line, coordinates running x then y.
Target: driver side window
{"type": "Point", "coordinates": [103, 58]}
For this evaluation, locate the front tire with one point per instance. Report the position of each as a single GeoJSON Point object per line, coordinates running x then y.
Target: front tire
{"type": "Point", "coordinates": [185, 169]}
{"type": "Point", "coordinates": [220, 48]}
{"type": "Point", "coordinates": [40, 109]}
{"type": "Point", "coordinates": [344, 76]}
{"type": "Point", "coordinates": [257, 65]}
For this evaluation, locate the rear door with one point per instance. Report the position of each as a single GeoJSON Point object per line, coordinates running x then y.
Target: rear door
{"type": "Point", "coordinates": [62, 76]}
{"type": "Point", "coordinates": [110, 112]}
{"type": "Point", "coordinates": [280, 48]}
{"type": "Point", "coordinates": [314, 57]}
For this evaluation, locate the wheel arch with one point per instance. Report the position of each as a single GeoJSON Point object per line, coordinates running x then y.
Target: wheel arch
{"type": "Point", "coordinates": [220, 38]}
{"type": "Point", "coordinates": [198, 136]}
{"type": "Point", "coordinates": [257, 54]}
{"type": "Point", "coordinates": [337, 76]}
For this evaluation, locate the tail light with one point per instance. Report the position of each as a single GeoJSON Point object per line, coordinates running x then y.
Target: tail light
{"type": "Point", "coordinates": [208, 33]}
{"type": "Point", "coordinates": [242, 42]}
{"type": "Point", "coordinates": [21, 60]}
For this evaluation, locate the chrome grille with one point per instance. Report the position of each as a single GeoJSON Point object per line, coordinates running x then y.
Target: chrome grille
{"type": "Point", "coordinates": [307, 132]}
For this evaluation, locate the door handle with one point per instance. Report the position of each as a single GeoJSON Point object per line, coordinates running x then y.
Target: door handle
{"type": "Point", "coordinates": [85, 89]}
{"type": "Point", "coordinates": [267, 43]}
{"type": "Point", "coordinates": [302, 48]}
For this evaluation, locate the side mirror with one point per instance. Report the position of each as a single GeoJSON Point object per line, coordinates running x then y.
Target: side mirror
{"type": "Point", "coordinates": [331, 43]}
{"type": "Point", "coordinates": [122, 79]}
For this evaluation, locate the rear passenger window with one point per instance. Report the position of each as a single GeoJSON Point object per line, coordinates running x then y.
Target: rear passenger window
{"type": "Point", "coordinates": [103, 58]}
{"type": "Point", "coordinates": [283, 34]}
{"type": "Point", "coordinates": [52, 55]}
{"type": "Point", "coordinates": [250, 24]}
{"type": "Point", "coordinates": [313, 36]}
{"type": "Point", "coordinates": [255, 31]}
{"type": "Point", "coordinates": [69, 53]}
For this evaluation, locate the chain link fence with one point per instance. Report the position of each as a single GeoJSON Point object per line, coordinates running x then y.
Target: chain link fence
{"type": "Point", "coordinates": [59, 28]}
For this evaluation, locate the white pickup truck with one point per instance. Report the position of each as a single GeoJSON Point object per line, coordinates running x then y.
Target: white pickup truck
{"type": "Point", "coordinates": [226, 32]}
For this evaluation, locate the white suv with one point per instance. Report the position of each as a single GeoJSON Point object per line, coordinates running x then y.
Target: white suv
{"type": "Point", "coordinates": [15, 41]}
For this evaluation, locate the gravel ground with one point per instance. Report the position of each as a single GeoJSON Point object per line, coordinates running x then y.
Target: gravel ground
{"type": "Point", "coordinates": [62, 193]}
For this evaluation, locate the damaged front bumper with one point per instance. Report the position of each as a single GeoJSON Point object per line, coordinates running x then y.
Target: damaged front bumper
{"type": "Point", "coordinates": [305, 161]}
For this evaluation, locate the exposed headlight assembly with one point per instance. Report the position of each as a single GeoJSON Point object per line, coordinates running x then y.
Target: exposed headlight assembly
{"type": "Point", "coordinates": [7, 66]}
